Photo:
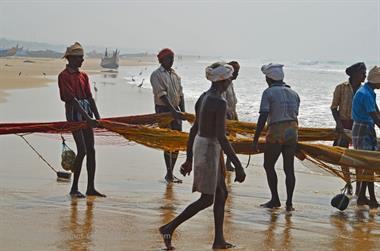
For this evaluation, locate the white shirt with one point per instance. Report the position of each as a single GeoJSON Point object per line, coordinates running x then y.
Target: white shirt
{"type": "Point", "coordinates": [166, 83]}
{"type": "Point", "coordinates": [230, 97]}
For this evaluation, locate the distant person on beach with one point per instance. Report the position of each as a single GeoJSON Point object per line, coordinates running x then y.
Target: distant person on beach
{"type": "Point", "coordinates": [231, 99]}
{"type": "Point", "coordinates": [365, 114]}
{"type": "Point", "coordinates": [341, 110]}
{"type": "Point", "coordinates": [206, 140]}
{"type": "Point", "coordinates": [75, 91]}
{"type": "Point", "coordinates": [168, 97]}
{"type": "Point", "coordinates": [279, 106]}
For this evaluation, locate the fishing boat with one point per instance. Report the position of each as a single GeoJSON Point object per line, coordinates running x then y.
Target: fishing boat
{"type": "Point", "coordinates": [110, 61]}
{"type": "Point", "coordinates": [9, 52]}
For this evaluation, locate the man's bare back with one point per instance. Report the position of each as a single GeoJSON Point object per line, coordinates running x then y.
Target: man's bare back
{"type": "Point", "coordinates": [210, 111]}
{"type": "Point", "coordinates": [210, 107]}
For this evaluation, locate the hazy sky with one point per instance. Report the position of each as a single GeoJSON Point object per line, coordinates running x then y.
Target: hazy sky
{"type": "Point", "coordinates": [303, 29]}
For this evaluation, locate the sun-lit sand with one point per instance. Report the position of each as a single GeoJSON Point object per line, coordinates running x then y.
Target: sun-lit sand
{"type": "Point", "coordinates": [36, 212]}
{"type": "Point", "coordinates": [16, 73]}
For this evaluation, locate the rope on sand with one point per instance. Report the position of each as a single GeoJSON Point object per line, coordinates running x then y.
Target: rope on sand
{"type": "Point", "coordinates": [39, 155]}
{"type": "Point", "coordinates": [249, 160]}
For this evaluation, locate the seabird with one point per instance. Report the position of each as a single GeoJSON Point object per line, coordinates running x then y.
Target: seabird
{"type": "Point", "coordinates": [142, 82]}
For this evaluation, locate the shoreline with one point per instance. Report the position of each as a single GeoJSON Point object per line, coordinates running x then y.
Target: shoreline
{"type": "Point", "coordinates": [29, 72]}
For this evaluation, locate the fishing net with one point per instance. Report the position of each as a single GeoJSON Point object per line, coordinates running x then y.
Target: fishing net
{"type": "Point", "coordinates": [145, 129]}
{"type": "Point", "coordinates": [67, 157]}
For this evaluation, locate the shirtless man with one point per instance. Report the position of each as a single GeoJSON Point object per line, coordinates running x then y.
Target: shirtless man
{"type": "Point", "coordinates": [206, 139]}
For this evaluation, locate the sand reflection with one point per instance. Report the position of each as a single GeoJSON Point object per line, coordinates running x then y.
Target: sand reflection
{"type": "Point", "coordinates": [274, 239]}
{"type": "Point", "coordinates": [80, 227]}
{"type": "Point", "coordinates": [168, 209]}
{"type": "Point", "coordinates": [356, 230]}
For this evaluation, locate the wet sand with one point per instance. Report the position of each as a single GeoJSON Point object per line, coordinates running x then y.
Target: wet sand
{"type": "Point", "coordinates": [37, 213]}
{"type": "Point", "coordinates": [18, 73]}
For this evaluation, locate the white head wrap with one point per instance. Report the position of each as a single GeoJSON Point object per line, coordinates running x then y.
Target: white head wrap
{"type": "Point", "coordinates": [273, 71]}
{"type": "Point", "coordinates": [374, 75]}
{"type": "Point", "coordinates": [219, 71]}
{"type": "Point", "coordinates": [75, 49]}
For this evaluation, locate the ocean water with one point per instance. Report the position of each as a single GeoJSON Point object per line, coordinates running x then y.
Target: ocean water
{"type": "Point", "coordinates": [314, 81]}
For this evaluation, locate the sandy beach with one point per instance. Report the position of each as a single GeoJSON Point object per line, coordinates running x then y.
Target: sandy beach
{"type": "Point", "coordinates": [18, 73]}
{"type": "Point", "coordinates": [37, 213]}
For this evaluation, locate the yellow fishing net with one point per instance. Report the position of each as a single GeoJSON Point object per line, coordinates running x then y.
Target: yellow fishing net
{"type": "Point", "coordinates": [149, 130]}
{"type": "Point", "coordinates": [362, 165]}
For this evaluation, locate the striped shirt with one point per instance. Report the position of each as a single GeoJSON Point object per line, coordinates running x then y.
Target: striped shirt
{"type": "Point", "coordinates": [342, 100]}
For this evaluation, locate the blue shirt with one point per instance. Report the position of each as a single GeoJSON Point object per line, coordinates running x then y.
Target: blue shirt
{"type": "Point", "coordinates": [281, 102]}
{"type": "Point", "coordinates": [363, 103]}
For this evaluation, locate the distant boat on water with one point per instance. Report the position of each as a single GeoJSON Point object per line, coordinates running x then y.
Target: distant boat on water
{"type": "Point", "coordinates": [9, 52]}
{"type": "Point", "coordinates": [110, 61]}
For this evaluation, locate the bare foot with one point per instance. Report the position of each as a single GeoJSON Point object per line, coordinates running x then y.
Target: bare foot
{"type": "Point", "coordinates": [93, 192]}
{"type": "Point", "coordinates": [289, 208]}
{"type": "Point", "coordinates": [373, 204]}
{"type": "Point", "coordinates": [222, 245]}
{"type": "Point", "coordinates": [167, 237]}
{"type": "Point", "coordinates": [169, 179]}
{"type": "Point", "coordinates": [76, 194]}
{"type": "Point", "coordinates": [176, 180]}
{"type": "Point", "coordinates": [363, 201]}
{"type": "Point", "coordinates": [271, 204]}
{"type": "Point", "coordinates": [172, 179]}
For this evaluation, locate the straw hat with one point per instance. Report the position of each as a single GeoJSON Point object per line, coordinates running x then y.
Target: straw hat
{"type": "Point", "coordinates": [75, 49]}
{"type": "Point", "coordinates": [374, 75]}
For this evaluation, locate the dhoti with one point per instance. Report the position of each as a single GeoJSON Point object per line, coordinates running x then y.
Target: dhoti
{"type": "Point", "coordinates": [206, 152]}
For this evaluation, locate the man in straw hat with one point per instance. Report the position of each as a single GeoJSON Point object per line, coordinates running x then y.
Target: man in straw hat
{"type": "Point", "coordinates": [206, 140]}
{"type": "Point", "coordinates": [75, 91]}
{"type": "Point", "coordinates": [341, 109]}
{"type": "Point", "coordinates": [168, 97]}
{"type": "Point", "coordinates": [279, 106]}
{"type": "Point", "coordinates": [365, 114]}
